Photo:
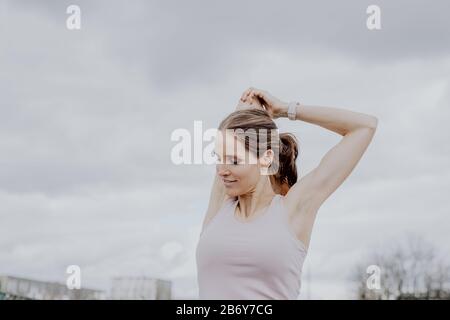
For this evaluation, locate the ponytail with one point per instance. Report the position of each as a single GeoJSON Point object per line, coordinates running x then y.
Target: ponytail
{"type": "Point", "coordinates": [287, 171]}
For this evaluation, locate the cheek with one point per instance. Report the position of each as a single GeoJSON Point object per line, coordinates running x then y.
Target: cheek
{"type": "Point", "coordinates": [247, 174]}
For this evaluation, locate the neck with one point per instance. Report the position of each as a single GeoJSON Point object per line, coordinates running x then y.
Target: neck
{"type": "Point", "coordinates": [251, 203]}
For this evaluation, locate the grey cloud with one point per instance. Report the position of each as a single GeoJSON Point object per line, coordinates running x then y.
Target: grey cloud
{"type": "Point", "coordinates": [178, 43]}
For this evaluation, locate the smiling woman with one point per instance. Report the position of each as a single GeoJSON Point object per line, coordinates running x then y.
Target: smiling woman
{"type": "Point", "coordinates": [256, 232]}
{"type": "Point", "coordinates": [248, 143]}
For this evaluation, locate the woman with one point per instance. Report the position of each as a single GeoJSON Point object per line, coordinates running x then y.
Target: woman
{"type": "Point", "coordinates": [258, 224]}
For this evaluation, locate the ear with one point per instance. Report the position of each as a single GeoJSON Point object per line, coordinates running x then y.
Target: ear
{"type": "Point", "coordinates": [267, 158]}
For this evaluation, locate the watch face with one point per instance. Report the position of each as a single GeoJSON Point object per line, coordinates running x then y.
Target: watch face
{"type": "Point", "coordinates": [292, 111]}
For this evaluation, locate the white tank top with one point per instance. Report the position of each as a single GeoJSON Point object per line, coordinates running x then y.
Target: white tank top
{"type": "Point", "coordinates": [254, 260]}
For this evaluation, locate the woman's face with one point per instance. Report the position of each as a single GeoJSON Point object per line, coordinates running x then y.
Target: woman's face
{"type": "Point", "coordinates": [238, 168]}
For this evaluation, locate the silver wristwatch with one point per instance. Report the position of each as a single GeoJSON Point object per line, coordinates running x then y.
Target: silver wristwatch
{"type": "Point", "coordinates": [292, 110]}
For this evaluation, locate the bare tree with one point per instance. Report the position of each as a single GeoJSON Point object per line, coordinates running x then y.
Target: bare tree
{"type": "Point", "coordinates": [409, 269]}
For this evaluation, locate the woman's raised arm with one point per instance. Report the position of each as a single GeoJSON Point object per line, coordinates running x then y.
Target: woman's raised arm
{"type": "Point", "coordinates": [306, 196]}
{"type": "Point", "coordinates": [216, 199]}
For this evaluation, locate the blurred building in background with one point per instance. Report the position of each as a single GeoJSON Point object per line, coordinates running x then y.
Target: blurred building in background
{"type": "Point", "coordinates": [140, 288]}
{"type": "Point", "coordinates": [13, 288]}
{"type": "Point", "coordinates": [136, 288]}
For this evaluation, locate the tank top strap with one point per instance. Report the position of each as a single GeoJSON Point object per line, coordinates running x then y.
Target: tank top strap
{"type": "Point", "coordinates": [273, 211]}
{"type": "Point", "coordinates": [282, 213]}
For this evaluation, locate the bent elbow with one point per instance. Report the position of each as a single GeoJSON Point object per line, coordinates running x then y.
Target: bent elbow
{"type": "Point", "coordinates": [373, 123]}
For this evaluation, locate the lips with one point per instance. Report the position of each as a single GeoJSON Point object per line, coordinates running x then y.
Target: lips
{"type": "Point", "coordinates": [228, 183]}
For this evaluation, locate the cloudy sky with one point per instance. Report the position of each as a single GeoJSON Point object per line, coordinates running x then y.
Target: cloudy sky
{"type": "Point", "coordinates": [86, 117]}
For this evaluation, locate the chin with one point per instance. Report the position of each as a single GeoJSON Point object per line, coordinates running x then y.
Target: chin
{"type": "Point", "coordinates": [232, 193]}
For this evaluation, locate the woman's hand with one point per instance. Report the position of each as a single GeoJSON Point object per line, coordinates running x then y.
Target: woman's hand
{"type": "Point", "coordinates": [249, 103]}
{"type": "Point", "coordinates": [274, 106]}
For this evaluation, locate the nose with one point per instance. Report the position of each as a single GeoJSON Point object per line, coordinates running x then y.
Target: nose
{"type": "Point", "coordinates": [222, 170]}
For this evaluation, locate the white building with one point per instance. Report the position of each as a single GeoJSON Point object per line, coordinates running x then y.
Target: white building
{"type": "Point", "coordinates": [19, 288]}
{"type": "Point", "coordinates": [140, 288]}
{"type": "Point", "coordinates": [123, 288]}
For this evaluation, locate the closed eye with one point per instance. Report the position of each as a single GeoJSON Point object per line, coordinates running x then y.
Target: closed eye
{"type": "Point", "coordinates": [235, 161]}
{"type": "Point", "coordinates": [230, 159]}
